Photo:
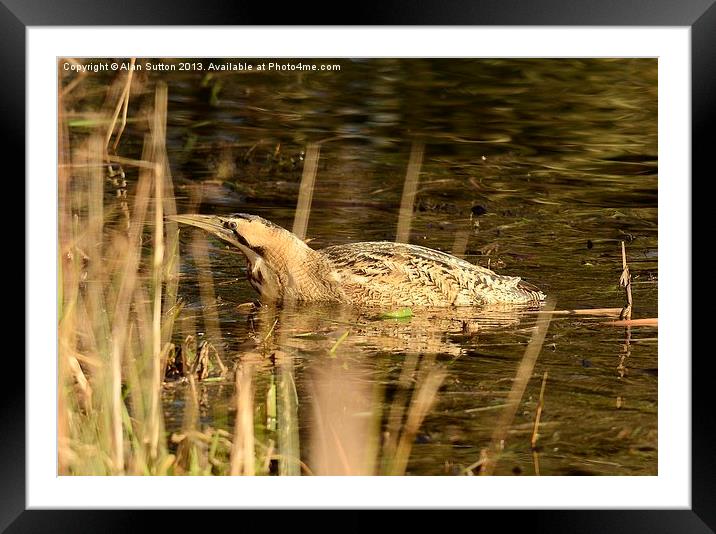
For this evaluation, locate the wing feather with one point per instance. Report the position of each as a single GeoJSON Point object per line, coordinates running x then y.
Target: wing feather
{"type": "Point", "coordinates": [402, 274]}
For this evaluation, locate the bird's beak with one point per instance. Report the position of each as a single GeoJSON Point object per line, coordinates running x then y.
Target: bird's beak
{"type": "Point", "coordinates": [210, 223]}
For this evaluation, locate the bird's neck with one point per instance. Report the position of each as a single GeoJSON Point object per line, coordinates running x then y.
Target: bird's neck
{"type": "Point", "coordinates": [295, 272]}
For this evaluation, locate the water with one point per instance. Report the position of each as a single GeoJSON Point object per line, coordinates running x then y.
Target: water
{"type": "Point", "coordinates": [535, 168]}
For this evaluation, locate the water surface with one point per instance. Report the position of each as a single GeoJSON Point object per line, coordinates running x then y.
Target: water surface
{"type": "Point", "coordinates": [534, 168]}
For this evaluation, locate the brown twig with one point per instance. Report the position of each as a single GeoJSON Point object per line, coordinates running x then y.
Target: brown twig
{"type": "Point", "coordinates": [625, 282]}
{"type": "Point", "coordinates": [538, 416]}
{"type": "Point", "coordinates": [652, 321]}
{"type": "Point", "coordinates": [606, 312]}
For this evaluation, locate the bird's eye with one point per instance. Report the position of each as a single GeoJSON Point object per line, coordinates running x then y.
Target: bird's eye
{"type": "Point", "coordinates": [232, 225]}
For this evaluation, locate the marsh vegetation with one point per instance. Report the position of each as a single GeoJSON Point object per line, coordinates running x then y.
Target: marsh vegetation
{"type": "Point", "coordinates": [536, 168]}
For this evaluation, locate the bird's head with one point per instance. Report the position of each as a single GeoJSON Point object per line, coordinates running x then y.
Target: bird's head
{"type": "Point", "coordinates": [279, 262]}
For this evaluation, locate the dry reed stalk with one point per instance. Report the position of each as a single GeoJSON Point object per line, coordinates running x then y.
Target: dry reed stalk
{"type": "Point", "coordinates": [83, 384]}
{"type": "Point", "coordinates": [535, 428]}
{"type": "Point", "coordinates": [156, 381]}
{"type": "Point", "coordinates": [135, 428]}
{"type": "Point", "coordinates": [405, 216]}
{"type": "Point", "coordinates": [130, 162]}
{"type": "Point", "coordinates": [93, 301]}
{"type": "Point", "coordinates": [171, 254]}
{"type": "Point", "coordinates": [286, 397]}
{"type": "Point", "coordinates": [120, 320]}
{"type": "Point", "coordinates": [397, 409]}
{"type": "Point", "coordinates": [81, 75]}
{"type": "Point", "coordinates": [485, 408]}
{"type": "Point", "coordinates": [460, 243]}
{"type": "Point", "coordinates": [287, 407]}
{"type": "Point", "coordinates": [341, 442]}
{"type": "Point", "coordinates": [423, 398]}
{"type": "Point", "coordinates": [68, 367]}
{"type": "Point", "coordinates": [305, 193]}
{"type": "Point", "coordinates": [187, 322]}
{"type": "Point", "coordinates": [158, 139]}
{"type": "Point", "coordinates": [186, 449]}
{"type": "Point", "coordinates": [95, 208]}
{"type": "Point", "coordinates": [100, 352]}
{"type": "Point", "coordinates": [200, 253]}
{"type": "Point", "coordinates": [535, 461]}
{"type": "Point", "coordinates": [625, 282]}
{"type": "Point", "coordinates": [522, 377]}
{"type": "Point", "coordinates": [652, 321]}
{"type": "Point", "coordinates": [122, 102]}
{"type": "Point", "coordinates": [90, 235]}
{"type": "Point", "coordinates": [133, 378]}
{"type": "Point", "coordinates": [338, 342]}
{"type": "Point", "coordinates": [599, 312]}
{"type": "Point", "coordinates": [243, 460]}
{"type": "Point", "coordinates": [482, 460]}
{"type": "Point", "coordinates": [125, 105]}
{"type": "Point", "coordinates": [68, 274]}
{"type": "Point", "coordinates": [538, 413]}
{"type": "Point", "coordinates": [143, 325]}
{"type": "Point", "coordinates": [63, 178]}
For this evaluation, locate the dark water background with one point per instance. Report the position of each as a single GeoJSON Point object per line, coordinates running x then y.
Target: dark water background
{"type": "Point", "coordinates": [541, 166]}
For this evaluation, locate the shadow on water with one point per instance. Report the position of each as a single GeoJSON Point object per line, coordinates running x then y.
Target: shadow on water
{"type": "Point", "coordinates": [533, 168]}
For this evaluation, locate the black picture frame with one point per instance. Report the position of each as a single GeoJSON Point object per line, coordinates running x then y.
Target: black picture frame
{"type": "Point", "coordinates": [699, 15]}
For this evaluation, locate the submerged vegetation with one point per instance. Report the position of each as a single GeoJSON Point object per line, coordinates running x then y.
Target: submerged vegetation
{"type": "Point", "coordinates": [155, 378]}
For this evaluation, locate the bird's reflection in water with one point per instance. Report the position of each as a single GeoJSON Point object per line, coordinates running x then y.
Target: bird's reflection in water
{"type": "Point", "coordinates": [338, 391]}
{"type": "Point", "coordinates": [319, 328]}
{"type": "Point", "coordinates": [341, 409]}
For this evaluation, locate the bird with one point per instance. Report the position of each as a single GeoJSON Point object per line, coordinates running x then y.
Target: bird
{"type": "Point", "coordinates": [281, 267]}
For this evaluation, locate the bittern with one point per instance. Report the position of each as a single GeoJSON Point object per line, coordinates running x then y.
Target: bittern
{"type": "Point", "coordinates": [281, 267]}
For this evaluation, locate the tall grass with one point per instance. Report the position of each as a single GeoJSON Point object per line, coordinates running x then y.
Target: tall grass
{"type": "Point", "coordinates": [113, 334]}
{"type": "Point", "coordinates": [118, 331]}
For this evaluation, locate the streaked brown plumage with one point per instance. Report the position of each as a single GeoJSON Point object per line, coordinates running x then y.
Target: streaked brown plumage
{"type": "Point", "coordinates": [282, 267]}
